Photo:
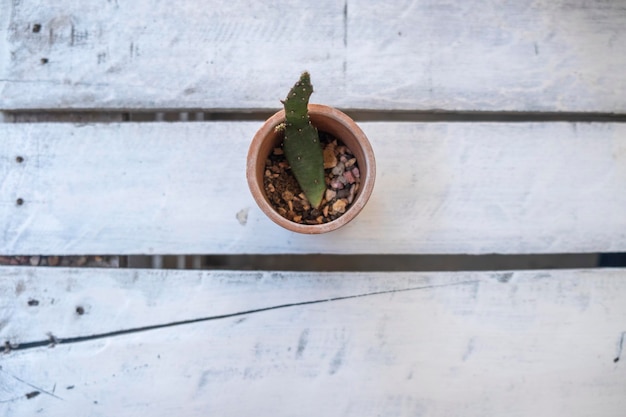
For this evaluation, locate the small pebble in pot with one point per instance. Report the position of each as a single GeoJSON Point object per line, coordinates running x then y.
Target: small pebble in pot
{"type": "Point", "coordinates": [330, 160]}
{"type": "Point", "coordinates": [352, 193]}
{"type": "Point", "coordinates": [349, 177]}
{"type": "Point", "coordinates": [288, 195]}
{"type": "Point", "coordinates": [336, 184]}
{"type": "Point", "coordinates": [330, 194]}
{"type": "Point", "coordinates": [339, 206]}
{"type": "Point", "coordinates": [343, 193]}
{"type": "Point", "coordinates": [338, 169]}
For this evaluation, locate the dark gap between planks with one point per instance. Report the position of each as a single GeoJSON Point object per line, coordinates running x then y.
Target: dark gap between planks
{"type": "Point", "coordinates": [388, 263]}
{"type": "Point", "coordinates": [433, 116]}
{"type": "Point", "coordinates": [331, 263]}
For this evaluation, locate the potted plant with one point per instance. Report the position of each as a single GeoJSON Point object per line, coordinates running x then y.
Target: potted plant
{"type": "Point", "coordinates": [310, 168]}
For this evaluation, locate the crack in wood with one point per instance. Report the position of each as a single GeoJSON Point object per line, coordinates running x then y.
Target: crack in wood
{"type": "Point", "coordinates": [32, 394]}
{"type": "Point", "coordinates": [11, 399]}
{"type": "Point", "coordinates": [79, 339]}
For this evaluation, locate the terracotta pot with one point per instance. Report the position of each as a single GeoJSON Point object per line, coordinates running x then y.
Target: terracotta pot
{"type": "Point", "coordinates": [326, 119]}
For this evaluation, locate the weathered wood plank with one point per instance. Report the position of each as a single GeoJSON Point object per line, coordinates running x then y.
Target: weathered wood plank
{"type": "Point", "coordinates": [149, 54]}
{"type": "Point", "coordinates": [539, 343]}
{"type": "Point", "coordinates": [71, 302]}
{"type": "Point", "coordinates": [564, 55]}
{"type": "Point", "coordinates": [488, 55]}
{"type": "Point", "coordinates": [441, 188]}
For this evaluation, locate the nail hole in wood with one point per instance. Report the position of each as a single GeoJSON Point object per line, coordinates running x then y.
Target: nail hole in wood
{"type": "Point", "coordinates": [36, 28]}
{"type": "Point", "coordinates": [19, 159]}
{"type": "Point", "coordinates": [19, 201]}
{"type": "Point", "coordinates": [80, 310]}
{"type": "Point", "coordinates": [44, 60]}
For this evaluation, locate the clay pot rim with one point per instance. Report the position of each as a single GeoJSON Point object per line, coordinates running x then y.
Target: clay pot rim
{"type": "Point", "coordinates": [366, 167]}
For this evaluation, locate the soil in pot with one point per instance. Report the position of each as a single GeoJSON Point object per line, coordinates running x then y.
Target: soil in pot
{"type": "Point", "coordinates": [342, 184]}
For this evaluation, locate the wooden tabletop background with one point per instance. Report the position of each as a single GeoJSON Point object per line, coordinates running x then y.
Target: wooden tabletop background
{"type": "Point", "coordinates": [498, 128]}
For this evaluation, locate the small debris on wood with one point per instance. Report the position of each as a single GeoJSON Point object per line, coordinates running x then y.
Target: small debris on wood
{"type": "Point", "coordinates": [53, 340]}
{"type": "Point", "coordinates": [8, 347]}
{"type": "Point", "coordinates": [32, 395]}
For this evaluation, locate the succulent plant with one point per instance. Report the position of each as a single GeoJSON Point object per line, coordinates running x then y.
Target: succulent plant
{"type": "Point", "coordinates": [301, 143]}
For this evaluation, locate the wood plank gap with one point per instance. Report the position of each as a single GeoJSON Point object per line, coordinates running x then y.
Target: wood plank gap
{"type": "Point", "coordinates": [391, 263]}
{"type": "Point", "coordinates": [173, 116]}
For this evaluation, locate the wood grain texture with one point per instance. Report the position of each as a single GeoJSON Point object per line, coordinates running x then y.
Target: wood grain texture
{"type": "Point", "coordinates": [123, 300]}
{"type": "Point", "coordinates": [539, 343]}
{"type": "Point", "coordinates": [180, 188]}
{"type": "Point", "coordinates": [530, 55]}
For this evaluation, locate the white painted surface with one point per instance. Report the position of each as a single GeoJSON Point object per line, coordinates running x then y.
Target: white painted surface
{"type": "Point", "coordinates": [467, 188]}
{"type": "Point", "coordinates": [116, 300]}
{"type": "Point", "coordinates": [541, 55]}
{"type": "Point", "coordinates": [535, 343]}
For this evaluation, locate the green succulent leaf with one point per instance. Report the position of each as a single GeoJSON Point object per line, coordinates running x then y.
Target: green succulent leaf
{"type": "Point", "coordinates": [301, 144]}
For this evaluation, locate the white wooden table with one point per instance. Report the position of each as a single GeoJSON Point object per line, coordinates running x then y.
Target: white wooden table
{"type": "Point", "coordinates": [498, 128]}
